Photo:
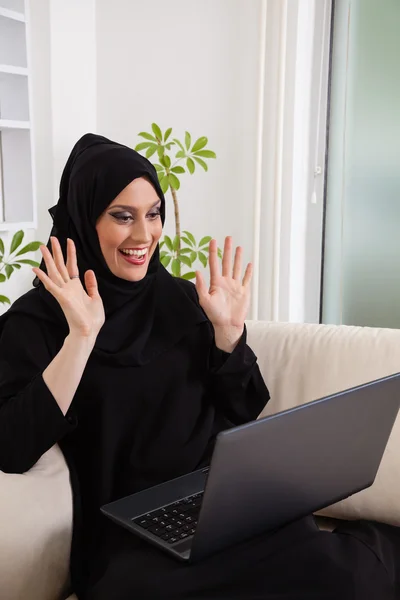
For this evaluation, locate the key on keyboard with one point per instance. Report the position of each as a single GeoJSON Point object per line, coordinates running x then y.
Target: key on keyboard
{"type": "Point", "coordinates": [174, 522]}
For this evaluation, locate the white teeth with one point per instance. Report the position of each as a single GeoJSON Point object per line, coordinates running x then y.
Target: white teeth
{"type": "Point", "coordinates": [136, 253]}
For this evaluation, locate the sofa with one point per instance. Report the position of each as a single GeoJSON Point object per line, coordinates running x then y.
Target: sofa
{"type": "Point", "coordinates": [300, 362]}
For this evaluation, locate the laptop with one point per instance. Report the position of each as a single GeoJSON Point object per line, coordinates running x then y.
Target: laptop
{"type": "Point", "coordinates": [267, 473]}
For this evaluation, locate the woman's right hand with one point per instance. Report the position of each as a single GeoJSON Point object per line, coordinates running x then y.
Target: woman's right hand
{"type": "Point", "coordinates": [83, 309]}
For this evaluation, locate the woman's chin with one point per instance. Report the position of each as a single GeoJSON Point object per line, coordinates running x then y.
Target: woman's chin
{"type": "Point", "coordinates": [136, 275]}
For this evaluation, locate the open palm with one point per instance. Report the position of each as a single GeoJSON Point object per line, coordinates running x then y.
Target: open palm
{"type": "Point", "coordinates": [227, 300]}
{"type": "Point", "coordinates": [83, 309]}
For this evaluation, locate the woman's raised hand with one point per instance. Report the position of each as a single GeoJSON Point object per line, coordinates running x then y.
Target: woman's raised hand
{"type": "Point", "coordinates": [82, 308]}
{"type": "Point", "coordinates": [227, 300]}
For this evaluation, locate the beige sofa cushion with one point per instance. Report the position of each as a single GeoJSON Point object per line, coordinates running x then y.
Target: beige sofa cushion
{"type": "Point", "coordinates": [35, 525]}
{"type": "Point", "coordinates": [302, 362]}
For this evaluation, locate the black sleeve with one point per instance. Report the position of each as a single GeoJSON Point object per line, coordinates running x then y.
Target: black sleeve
{"type": "Point", "coordinates": [31, 421]}
{"type": "Point", "coordinates": [237, 387]}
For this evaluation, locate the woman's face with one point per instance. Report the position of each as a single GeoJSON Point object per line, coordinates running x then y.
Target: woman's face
{"type": "Point", "coordinates": [129, 230]}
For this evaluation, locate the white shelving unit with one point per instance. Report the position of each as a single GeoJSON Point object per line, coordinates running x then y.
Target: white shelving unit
{"type": "Point", "coordinates": [17, 197]}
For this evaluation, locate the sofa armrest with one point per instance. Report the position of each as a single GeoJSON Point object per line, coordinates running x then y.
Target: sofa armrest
{"type": "Point", "coordinates": [36, 530]}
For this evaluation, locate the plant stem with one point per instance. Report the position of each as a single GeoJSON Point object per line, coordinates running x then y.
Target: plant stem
{"type": "Point", "coordinates": [177, 224]}
{"type": "Point", "coordinates": [177, 217]}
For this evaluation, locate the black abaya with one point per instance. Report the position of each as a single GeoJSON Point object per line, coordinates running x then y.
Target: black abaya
{"type": "Point", "coordinates": [128, 429]}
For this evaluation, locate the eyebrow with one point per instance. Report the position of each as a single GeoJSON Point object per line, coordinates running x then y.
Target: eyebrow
{"type": "Point", "coordinates": [132, 208]}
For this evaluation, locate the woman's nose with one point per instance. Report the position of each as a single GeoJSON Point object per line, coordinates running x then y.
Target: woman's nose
{"type": "Point", "coordinates": [141, 233]}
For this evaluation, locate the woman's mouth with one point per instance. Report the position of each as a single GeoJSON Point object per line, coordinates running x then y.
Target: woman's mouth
{"type": "Point", "coordinates": [134, 256]}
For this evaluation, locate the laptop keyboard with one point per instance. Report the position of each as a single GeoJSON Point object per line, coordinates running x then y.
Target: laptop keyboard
{"type": "Point", "coordinates": [174, 522]}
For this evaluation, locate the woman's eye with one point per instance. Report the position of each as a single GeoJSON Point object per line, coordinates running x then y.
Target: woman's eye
{"type": "Point", "coordinates": [122, 218]}
{"type": "Point", "coordinates": [154, 215]}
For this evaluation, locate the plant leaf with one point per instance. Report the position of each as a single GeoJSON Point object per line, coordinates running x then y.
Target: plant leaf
{"type": "Point", "coordinates": [179, 144]}
{"type": "Point", "coordinates": [199, 144]}
{"type": "Point", "coordinates": [191, 237]}
{"type": "Point", "coordinates": [32, 263]}
{"type": "Point", "coordinates": [164, 184]}
{"type": "Point", "coordinates": [201, 162]}
{"type": "Point", "coordinates": [178, 169]}
{"type": "Point", "coordinates": [2, 278]}
{"type": "Point", "coordinates": [186, 240]}
{"type": "Point", "coordinates": [165, 261]}
{"type": "Point", "coordinates": [142, 146]}
{"type": "Point", "coordinates": [9, 271]}
{"type": "Point", "coordinates": [157, 131]}
{"type": "Point", "coordinates": [175, 267]}
{"type": "Point", "coordinates": [175, 243]}
{"type": "Point", "coordinates": [174, 181]}
{"type": "Point", "coordinates": [185, 250]}
{"type": "Point", "coordinates": [167, 161]}
{"type": "Point", "coordinates": [180, 154]}
{"type": "Point", "coordinates": [17, 240]}
{"type": "Point", "coordinates": [185, 260]}
{"type": "Point", "coordinates": [32, 247]}
{"type": "Point", "coordinates": [205, 240]}
{"type": "Point", "coordinates": [158, 167]}
{"type": "Point", "coordinates": [150, 151]}
{"type": "Point", "coordinates": [147, 136]}
{"type": "Point", "coordinates": [16, 265]}
{"type": "Point", "coordinates": [163, 253]}
{"type": "Point", "coordinates": [160, 150]}
{"type": "Point", "coordinates": [206, 153]}
{"type": "Point", "coordinates": [190, 165]}
{"type": "Point", "coordinates": [161, 244]}
{"type": "Point", "coordinates": [188, 140]}
{"type": "Point", "coordinates": [169, 146]}
{"type": "Point", "coordinates": [167, 134]}
{"type": "Point", "coordinates": [220, 253]}
{"type": "Point", "coordinates": [193, 256]}
{"type": "Point", "coordinates": [1, 246]}
{"type": "Point", "coordinates": [168, 243]}
{"type": "Point", "coordinates": [203, 259]}
{"type": "Point", "coordinates": [190, 275]}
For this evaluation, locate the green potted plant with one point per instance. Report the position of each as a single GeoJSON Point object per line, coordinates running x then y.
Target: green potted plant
{"type": "Point", "coordinates": [14, 258]}
{"type": "Point", "coordinates": [174, 159]}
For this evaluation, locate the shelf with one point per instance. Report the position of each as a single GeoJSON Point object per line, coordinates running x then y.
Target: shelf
{"type": "Point", "coordinates": [12, 14]}
{"type": "Point", "coordinates": [13, 227]}
{"type": "Point", "coordinates": [10, 69]}
{"type": "Point", "coordinates": [7, 124]}
{"type": "Point", "coordinates": [18, 203]}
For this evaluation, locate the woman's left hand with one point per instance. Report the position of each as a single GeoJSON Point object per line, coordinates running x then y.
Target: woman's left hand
{"type": "Point", "coordinates": [227, 300]}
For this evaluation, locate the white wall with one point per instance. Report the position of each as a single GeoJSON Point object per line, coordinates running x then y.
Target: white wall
{"type": "Point", "coordinates": [189, 65]}
{"type": "Point", "coordinates": [73, 76]}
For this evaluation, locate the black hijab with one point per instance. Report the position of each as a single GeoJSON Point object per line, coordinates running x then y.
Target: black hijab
{"type": "Point", "coordinates": [143, 318]}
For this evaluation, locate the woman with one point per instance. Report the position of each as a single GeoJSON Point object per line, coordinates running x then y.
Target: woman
{"type": "Point", "coordinates": [134, 373]}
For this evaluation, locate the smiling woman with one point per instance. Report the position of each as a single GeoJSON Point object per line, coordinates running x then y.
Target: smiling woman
{"type": "Point", "coordinates": [133, 373]}
{"type": "Point", "coordinates": [129, 230]}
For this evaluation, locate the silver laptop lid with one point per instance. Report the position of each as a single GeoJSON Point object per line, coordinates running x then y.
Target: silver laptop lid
{"type": "Point", "coordinates": [291, 464]}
